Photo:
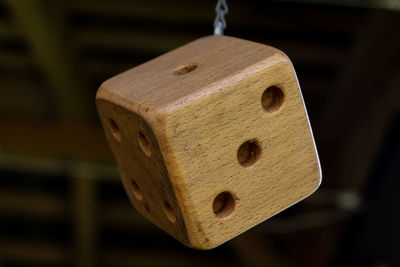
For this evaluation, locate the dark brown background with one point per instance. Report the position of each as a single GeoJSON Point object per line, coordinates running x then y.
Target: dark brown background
{"type": "Point", "coordinates": [61, 201]}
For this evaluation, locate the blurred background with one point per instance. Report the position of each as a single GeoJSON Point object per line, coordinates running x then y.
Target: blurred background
{"type": "Point", "coordinates": [61, 200]}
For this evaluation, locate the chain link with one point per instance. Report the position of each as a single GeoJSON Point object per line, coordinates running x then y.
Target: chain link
{"type": "Point", "coordinates": [219, 23]}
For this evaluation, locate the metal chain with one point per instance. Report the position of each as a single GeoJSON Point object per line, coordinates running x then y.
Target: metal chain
{"type": "Point", "coordinates": [219, 23]}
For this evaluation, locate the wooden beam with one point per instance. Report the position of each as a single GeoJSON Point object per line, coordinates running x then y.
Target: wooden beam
{"type": "Point", "coordinates": [138, 40]}
{"type": "Point", "coordinates": [61, 139]}
{"type": "Point", "coordinates": [40, 252]}
{"type": "Point", "coordinates": [33, 204]}
{"type": "Point", "coordinates": [350, 130]}
{"type": "Point", "coordinates": [357, 114]}
{"type": "Point", "coordinates": [84, 219]}
{"type": "Point", "coordinates": [42, 27]}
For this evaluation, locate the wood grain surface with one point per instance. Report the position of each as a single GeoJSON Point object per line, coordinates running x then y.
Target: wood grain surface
{"type": "Point", "coordinates": [211, 138]}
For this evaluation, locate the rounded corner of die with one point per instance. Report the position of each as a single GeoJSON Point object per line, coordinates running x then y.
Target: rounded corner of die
{"type": "Point", "coordinates": [282, 55]}
{"type": "Point", "coordinates": [202, 245]}
{"type": "Point", "coordinates": [102, 92]}
{"type": "Point", "coordinates": [318, 179]}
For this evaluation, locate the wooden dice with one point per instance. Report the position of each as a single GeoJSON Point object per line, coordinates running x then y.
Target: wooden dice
{"type": "Point", "coordinates": [211, 138]}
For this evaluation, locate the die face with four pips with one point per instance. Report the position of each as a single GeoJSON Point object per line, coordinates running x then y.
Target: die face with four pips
{"type": "Point", "coordinates": [211, 138]}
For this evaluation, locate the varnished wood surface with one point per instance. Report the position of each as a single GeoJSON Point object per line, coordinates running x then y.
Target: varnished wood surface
{"type": "Point", "coordinates": [196, 106]}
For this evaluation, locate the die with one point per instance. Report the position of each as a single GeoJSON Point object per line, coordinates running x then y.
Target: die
{"type": "Point", "coordinates": [211, 138]}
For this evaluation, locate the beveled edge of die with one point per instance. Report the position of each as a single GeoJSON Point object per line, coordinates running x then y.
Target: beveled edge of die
{"type": "Point", "coordinates": [188, 96]}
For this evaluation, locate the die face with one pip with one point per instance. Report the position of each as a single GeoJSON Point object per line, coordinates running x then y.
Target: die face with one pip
{"type": "Point", "coordinates": [211, 138]}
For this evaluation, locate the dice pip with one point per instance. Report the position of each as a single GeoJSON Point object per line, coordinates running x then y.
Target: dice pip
{"type": "Point", "coordinates": [211, 138]}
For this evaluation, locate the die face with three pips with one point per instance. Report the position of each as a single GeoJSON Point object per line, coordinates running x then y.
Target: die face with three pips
{"type": "Point", "coordinates": [211, 138]}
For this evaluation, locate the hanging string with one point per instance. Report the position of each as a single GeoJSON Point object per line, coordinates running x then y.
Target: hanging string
{"type": "Point", "coordinates": [219, 23]}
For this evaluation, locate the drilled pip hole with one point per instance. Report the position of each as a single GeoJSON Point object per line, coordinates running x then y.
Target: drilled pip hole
{"type": "Point", "coordinates": [169, 212]}
{"type": "Point", "coordinates": [272, 99]}
{"type": "Point", "coordinates": [144, 144]}
{"type": "Point", "coordinates": [223, 205]}
{"type": "Point", "coordinates": [115, 131]}
{"type": "Point", "coordinates": [248, 153]}
{"type": "Point", "coordinates": [146, 207]}
{"type": "Point", "coordinates": [136, 190]}
{"type": "Point", "coordinates": [185, 69]}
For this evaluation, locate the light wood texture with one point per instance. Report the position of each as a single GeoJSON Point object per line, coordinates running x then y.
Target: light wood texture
{"type": "Point", "coordinates": [211, 138]}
